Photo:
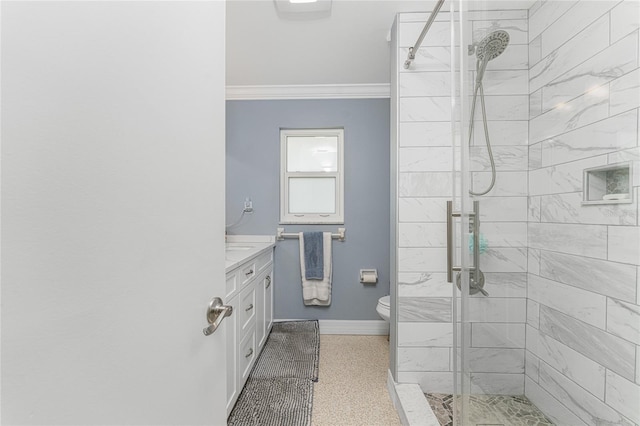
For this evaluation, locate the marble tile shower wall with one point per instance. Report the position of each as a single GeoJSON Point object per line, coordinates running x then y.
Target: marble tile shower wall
{"type": "Point", "coordinates": [583, 301]}
{"type": "Point", "coordinates": [497, 356]}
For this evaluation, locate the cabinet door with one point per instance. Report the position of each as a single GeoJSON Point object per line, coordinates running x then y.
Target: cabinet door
{"type": "Point", "coordinates": [231, 332]}
{"type": "Point", "coordinates": [260, 325]}
{"type": "Point", "coordinates": [268, 301]}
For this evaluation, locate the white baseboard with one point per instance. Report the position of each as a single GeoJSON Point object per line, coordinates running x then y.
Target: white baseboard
{"type": "Point", "coordinates": [371, 327]}
{"type": "Point", "coordinates": [362, 327]}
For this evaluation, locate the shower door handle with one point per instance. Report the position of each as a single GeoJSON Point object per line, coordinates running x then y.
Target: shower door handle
{"type": "Point", "coordinates": [475, 217]}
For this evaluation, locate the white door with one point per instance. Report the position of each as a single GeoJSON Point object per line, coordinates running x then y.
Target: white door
{"type": "Point", "coordinates": [112, 217]}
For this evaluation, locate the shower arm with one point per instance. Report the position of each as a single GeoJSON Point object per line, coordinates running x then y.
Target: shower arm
{"type": "Point", "coordinates": [413, 50]}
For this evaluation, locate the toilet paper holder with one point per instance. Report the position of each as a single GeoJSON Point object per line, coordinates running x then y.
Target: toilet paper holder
{"type": "Point", "coordinates": [368, 276]}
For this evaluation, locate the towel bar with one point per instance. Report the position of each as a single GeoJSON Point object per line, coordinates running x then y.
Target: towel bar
{"type": "Point", "coordinates": [281, 235]}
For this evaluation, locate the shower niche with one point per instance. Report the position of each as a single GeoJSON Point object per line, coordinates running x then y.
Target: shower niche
{"type": "Point", "coordinates": [610, 184]}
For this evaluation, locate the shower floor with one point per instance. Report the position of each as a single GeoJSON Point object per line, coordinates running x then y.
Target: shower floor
{"type": "Point", "coordinates": [494, 410]}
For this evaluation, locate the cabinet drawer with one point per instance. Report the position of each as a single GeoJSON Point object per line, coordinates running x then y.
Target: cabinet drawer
{"type": "Point", "coordinates": [247, 272]}
{"type": "Point", "coordinates": [247, 309]}
{"type": "Point", "coordinates": [264, 260]}
{"type": "Point", "coordinates": [247, 354]}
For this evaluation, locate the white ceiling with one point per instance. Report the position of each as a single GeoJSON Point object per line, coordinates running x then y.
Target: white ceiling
{"type": "Point", "coordinates": [349, 47]}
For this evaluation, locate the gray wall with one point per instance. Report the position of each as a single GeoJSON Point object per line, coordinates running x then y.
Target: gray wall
{"type": "Point", "coordinates": [253, 170]}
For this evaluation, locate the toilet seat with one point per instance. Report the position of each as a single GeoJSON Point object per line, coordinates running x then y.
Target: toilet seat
{"type": "Point", "coordinates": [385, 301]}
{"type": "Point", "coordinates": [383, 308]}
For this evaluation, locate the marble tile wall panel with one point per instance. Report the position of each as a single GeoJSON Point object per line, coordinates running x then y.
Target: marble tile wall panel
{"type": "Point", "coordinates": [570, 54]}
{"type": "Point", "coordinates": [517, 58]}
{"type": "Point", "coordinates": [497, 335]}
{"type": "Point", "coordinates": [435, 381]}
{"type": "Point", "coordinates": [429, 59]}
{"type": "Point", "coordinates": [590, 274]}
{"type": "Point", "coordinates": [497, 310]}
{"type": "Point", "coordinates": [624, 244]}
{"type": "Point", "coordinates": [535, 104]}
{"type": "Point", "coordinates": [510, 107]}
{"type": "Point", "coordinates": [501, 234]}
{"type": "Point", "coordinates": [495, 360]}
{"type": "Point", "coordinates": [534, 261]}
{"type": "Point", "coordinates": [439, 34]}
{"type": "Point", "coordinates": [431, 159]}
{"type": "Point", "coordinates": [504, 132]}
{"type": "Point", "coordinates": [535, 50]}
{"type": "Point", "coordinates": [548, 13]}
{"type": "Point", "coordinates": [571, 23]}
{"type": "Point", "coordinates": [497, 383]}
{"type": "Point", "coordinates": [432, 108]}
{"type": "Point", "coordinates": [586, 406]}
{"type": "Point", "coordinates": [422, 259]}
{"type": "Point", "coordinates": [533, 209]}
{"type": "Point", "coordinates": [424, 359]}
{"type": "Point", "coordinates": [504, 209]}
{"type": "Point", "coordinates": [623, 395]}
{"type": "Point", "coordinates": [517, 29]}
{"type": "Point", "coordinates": [628, 155]}
{"type": "Point", "coordinates": [533, 313]}
{"type": "Point", "coordinates": [604, 348]}
{"type": "Point", "coordinates": [424, 284]}
{"type": "Point", "coordinates": [422, 235]}
{"type": "Point", "coordinates": [623, 320]}
{"type": "Point", "coordinates": [578, 112]}
{"type": "Point", "coordinates": [535, 156]}
{"type": "Point", "coordinates": [624, 19]}
{"type": "Point", "coordinates": [568, 208]}
{"type": "Point", "coordinates": [586, 240]}
{"type": "Point", "coordinates": [550, 406]}
{"type": "Point", "coordinates": [566, 177]}
{"type": "Point", "coordinates": [438, 334]}
{"type": "Point", "coordinates": [602, 137]}
{"type": "Point", "coordinates": [424, 309]}
{"type": "Point", "coordinates": [436, 83]}
{"type": "Point", "coordinates": [505, 82]}
{"type": "Point", "coordinates": [577, 367]}
{"type": "Point", "coordinates": [580, 304]}
{"type": "Point", "coordinates": [425, 184]}
{"type": "Point", "coordinates": [505, 284]}
{"type": "Point", "coordinates": [422, 209]}
{"type": "Point", "coordinates": [506, 158]}
{"type": "Point", "coordinates": [609, 64]}
{"type": "Point", "coordinates": [625, 92]}
{"type": "Point", "coordinates": [531, 366]}
{"type": "Point", "coordinates": [508, 184]}
{"type": "Point", "coordinates": [504, 260]}
{"type": "Point", "coordinates": [425, 134]}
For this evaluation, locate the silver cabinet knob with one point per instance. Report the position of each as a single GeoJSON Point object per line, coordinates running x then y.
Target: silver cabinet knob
{"type": "Point", "coordinates": [216, 312]}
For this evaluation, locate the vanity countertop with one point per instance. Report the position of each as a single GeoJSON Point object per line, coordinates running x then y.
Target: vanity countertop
{"type": "Point", "coordinates": [240, 248]}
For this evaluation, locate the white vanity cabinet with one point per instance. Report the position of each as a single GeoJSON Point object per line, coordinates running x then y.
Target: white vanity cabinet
{"type": "Point", "coordinates": [250, 292]}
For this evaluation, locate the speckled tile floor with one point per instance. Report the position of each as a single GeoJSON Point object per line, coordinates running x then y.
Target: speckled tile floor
{"type": "Point", "coordinates": [492, 410]}
{"type": "Point", "coordinates": [352, 385]}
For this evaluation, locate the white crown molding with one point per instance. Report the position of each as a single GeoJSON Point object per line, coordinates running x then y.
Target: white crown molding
{"type": "Point", "coordinates": [315, 91]}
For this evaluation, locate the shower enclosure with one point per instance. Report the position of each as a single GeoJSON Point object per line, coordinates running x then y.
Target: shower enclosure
{"type": "Point", "coordinates": [524, 116]}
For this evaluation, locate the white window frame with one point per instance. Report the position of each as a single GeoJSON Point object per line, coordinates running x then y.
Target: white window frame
{"type": "Point", "coordinates": [311, 218]}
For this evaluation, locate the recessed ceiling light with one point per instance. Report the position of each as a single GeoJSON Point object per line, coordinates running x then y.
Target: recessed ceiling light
{"type": "Point", "coordinates": [303, 9]}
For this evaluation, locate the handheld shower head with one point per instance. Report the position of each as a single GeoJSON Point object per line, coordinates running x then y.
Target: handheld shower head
{"type": "Point", "coordinates": [492, 45]}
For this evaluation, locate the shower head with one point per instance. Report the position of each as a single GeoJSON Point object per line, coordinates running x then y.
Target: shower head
{"type": "Point", "coordinates": [492, 45]}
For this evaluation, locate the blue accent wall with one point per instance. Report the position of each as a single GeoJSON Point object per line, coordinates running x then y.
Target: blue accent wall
{"type": "Point", "coordinates": [253, 170]}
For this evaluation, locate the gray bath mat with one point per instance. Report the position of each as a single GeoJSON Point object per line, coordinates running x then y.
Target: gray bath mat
{"type": "Point", "coordinates": [290, 352]}
{"type": "Point", "coordinates": [279, 390]}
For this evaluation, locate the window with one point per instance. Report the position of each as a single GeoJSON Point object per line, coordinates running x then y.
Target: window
{"type": "Point", "coordinates": [311, 176]}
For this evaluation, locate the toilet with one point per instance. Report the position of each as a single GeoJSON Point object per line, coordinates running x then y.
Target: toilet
{"type": "Point", "coordinates": [383, 308]}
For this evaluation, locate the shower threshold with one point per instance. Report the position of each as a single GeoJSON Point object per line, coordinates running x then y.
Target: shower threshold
{"type": "Point", "coordinates": [494, 410]}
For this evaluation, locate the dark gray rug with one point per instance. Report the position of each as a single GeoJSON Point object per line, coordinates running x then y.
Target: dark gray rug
{"type": "Point", "coordinates": [279, 390]}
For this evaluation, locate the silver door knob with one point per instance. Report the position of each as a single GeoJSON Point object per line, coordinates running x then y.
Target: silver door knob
{"type": "Point", "coordinates": [216, 312]}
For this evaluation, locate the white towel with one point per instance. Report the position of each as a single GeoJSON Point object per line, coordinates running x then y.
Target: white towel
{"type": "Point", "coordinates": [317, 292]}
